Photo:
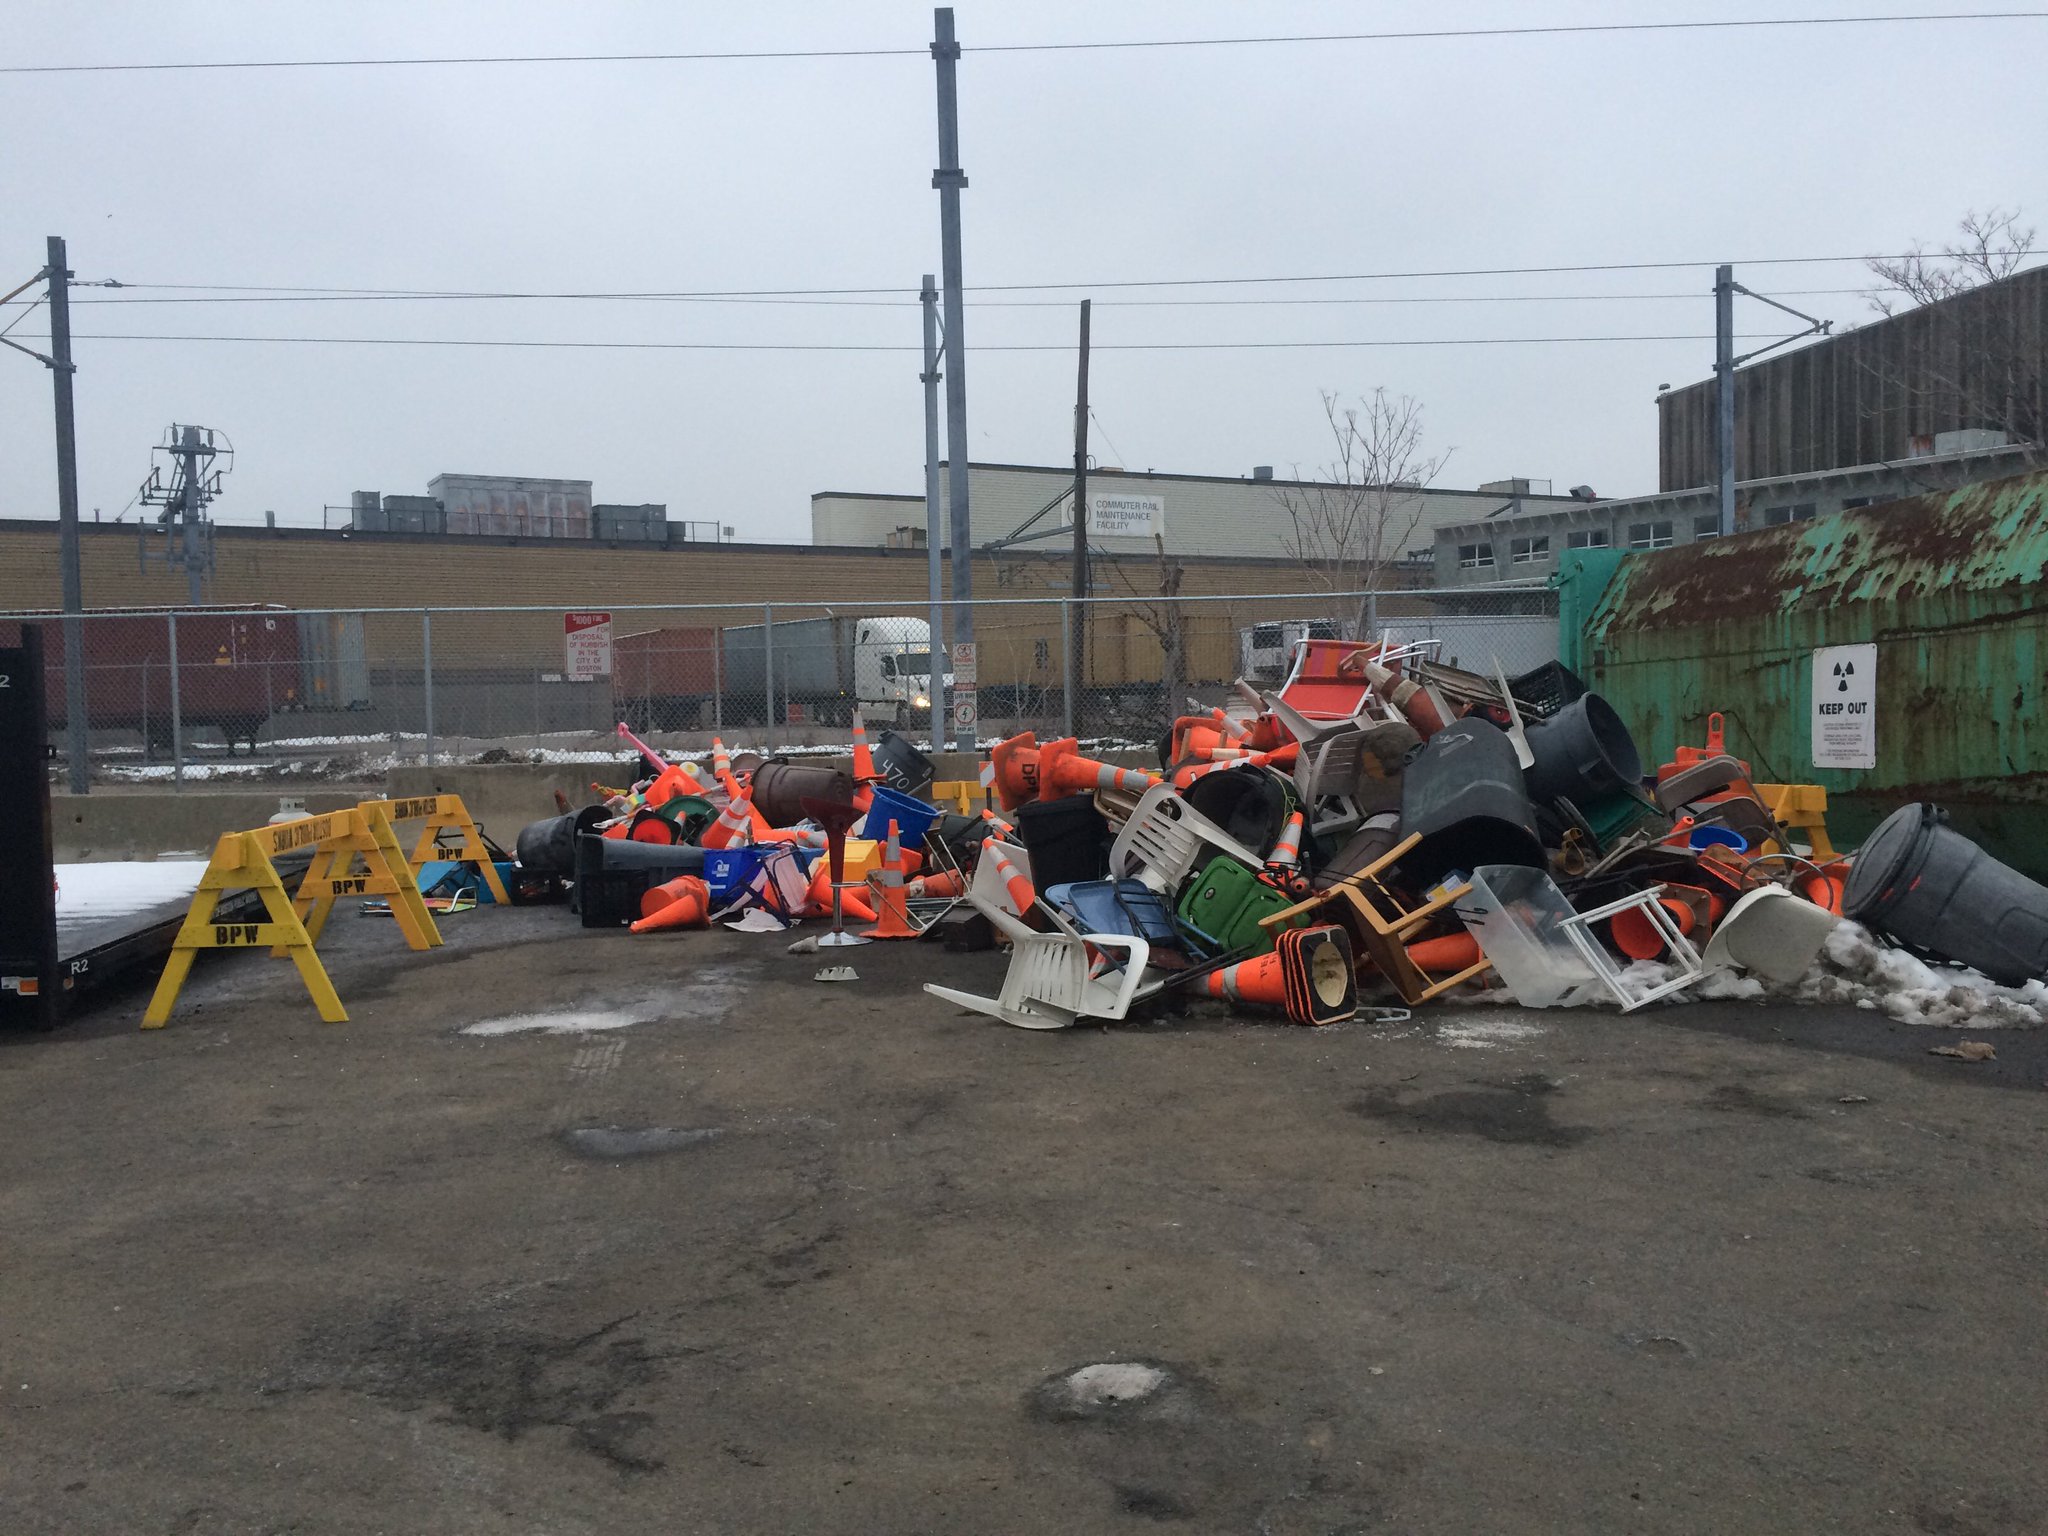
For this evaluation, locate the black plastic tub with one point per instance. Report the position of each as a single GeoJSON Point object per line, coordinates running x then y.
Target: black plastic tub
{"type": "Point", "coordinates": [1582, 753]}
{"type": "Point", "coordinates": [1464, 794]}
{"type": "Point", "coordinates": [1924, 884]}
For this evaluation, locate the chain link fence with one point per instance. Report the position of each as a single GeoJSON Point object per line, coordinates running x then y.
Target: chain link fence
{"type": "Point", "coordinates": [274, 695]}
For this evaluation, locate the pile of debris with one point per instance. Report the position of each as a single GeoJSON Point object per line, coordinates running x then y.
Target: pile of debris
{"type": "Point", "coordinates": [1382, 831]}
{"type": "Point", "coordinates": [1389, 828]}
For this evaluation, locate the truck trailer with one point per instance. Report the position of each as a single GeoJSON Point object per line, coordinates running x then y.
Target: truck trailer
{"type": "Point", "coordinates": [804, 670]}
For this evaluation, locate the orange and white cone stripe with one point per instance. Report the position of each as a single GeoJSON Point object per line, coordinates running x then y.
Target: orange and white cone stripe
{"type": "Point", "coordinates": [1257, 980]}
{"type": "Point", "coordinates": [735, 824]}
{"type": "Point", "coordinates": [1022, 895]}
{"type": "Point", "coordinates": [721, 761]}
{"type": "Point", "coordinates": [1286, 852]}
{"type": "Point", "coordinates": [863, 758]}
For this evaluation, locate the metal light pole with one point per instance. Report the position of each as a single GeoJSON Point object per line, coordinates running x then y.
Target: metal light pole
{"type": "Point", "coordinates": [928, 296]}
{"type": "Point", "coordinates": [949, 179]}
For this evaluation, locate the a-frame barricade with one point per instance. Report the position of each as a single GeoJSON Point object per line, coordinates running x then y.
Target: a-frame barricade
{"type": "Point", "coordinates": [444, 813]}
{"type": "Point", "coordinates": [363, 833]}
{"type": "Point", "coordinates": [242, 862]}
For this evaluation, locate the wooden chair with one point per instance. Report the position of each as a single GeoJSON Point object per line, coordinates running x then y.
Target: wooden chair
{"type": "Point", "coordinates": [1380, 929]}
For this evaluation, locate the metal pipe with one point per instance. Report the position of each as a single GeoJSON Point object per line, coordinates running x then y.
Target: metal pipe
{"type": "Point", "coordinates": [427, 678]}
{"type": "Point", "coordinates": [77, 745]}
{"type": "Point", "coordinates": [1724, 395]}
{"type": "Point", "coordinates": [949, 179]}
{"type": "Point", "coordinates": [941, 654]}
{"type": "Point", "coordinates": [177, 708]}
{"type": "Point", "coordinates": [768, 665]}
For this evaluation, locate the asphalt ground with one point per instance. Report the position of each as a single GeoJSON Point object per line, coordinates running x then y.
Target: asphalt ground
{"type": "Point", "coordinates": [784, 1256]}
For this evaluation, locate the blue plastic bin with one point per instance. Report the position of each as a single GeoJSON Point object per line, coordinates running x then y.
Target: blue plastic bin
{"type": "Point", "coordinates": [913, 818]}
{"type": "Point", "coordinates": [728, 869]}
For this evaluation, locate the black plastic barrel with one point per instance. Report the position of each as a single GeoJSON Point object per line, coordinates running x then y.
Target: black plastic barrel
{"type": "Point", "coordinates": [902, 766]}
{"type": "Point", "coordinates": [1464, 794]}
{"type": "Point", "coordinates": [549, 847]}
{"type": "Point", "coordinates": [1919, 881]}
{"type": "Point", "coordinates": [1582, 753]}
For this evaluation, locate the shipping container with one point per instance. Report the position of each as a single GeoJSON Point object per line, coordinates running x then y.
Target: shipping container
{"type": "Point", "coordinates": [236, 670]}
{"type": "Point", "coordinates": [667, 679]}
{"type": "Point", "coordinates": [1949, 590]}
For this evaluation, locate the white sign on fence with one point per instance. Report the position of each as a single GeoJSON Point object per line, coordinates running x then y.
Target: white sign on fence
{"type": "Point", "coordinates": [1121, 515]}
{"type": "Point", "coordinates": [964, 664]}
{"type": "Point", "coordinates": [587, 637]}
{"type": "Point", "coordinates": [1845, 706]}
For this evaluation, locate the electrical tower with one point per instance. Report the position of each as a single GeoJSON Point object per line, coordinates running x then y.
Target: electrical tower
{"type": "Point", "coordinates": [188, 454]}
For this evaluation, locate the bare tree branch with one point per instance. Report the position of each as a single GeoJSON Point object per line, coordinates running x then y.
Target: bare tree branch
{"type": "Point", "coordinates": [1354, 522]}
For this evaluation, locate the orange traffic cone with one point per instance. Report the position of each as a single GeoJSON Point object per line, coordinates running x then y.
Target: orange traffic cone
{"type": "Point", "coordinates": [1286, 853]}
{"type": "Point", "coordinates": [863, 759]}
{"type": "Point", "coordinates": [735, 824]}
{"type": "Point", "coordinates": [1016, 770]}
{"type": "Point", "coordinates": [945, 883]}
{"type": "Point", "coordinates": [852, 905]}
{"type": "Point", "coordinates": [721, 761]}
{"type": "Point", "coordinates": [890, 898]}
{"type": "Point", "coordinates": [1257, 980]}
{"type": "Point", "coordinates": [1022, 896]}
{"type": "Point", "coordinates": [1063, 771]}
{"type": "Point", "coordinates": [684, 902]}
{"type": "Point", "coordinates": [1005, 828]}
{"type": "Point", "coordinates": [1637, 937]}
{"type": "Point", "coordinates": [1453, 952]}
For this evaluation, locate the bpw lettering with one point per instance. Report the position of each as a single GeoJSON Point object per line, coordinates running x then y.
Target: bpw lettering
{"type": "Point", "coordinates": [228, 934]}
{"type": "Point", "coordinates": [349, 887]}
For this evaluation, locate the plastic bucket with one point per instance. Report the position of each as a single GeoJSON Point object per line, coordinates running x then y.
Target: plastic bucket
{"type": "Point", "coordinates": [913, 818]}
{"type": "Point", "coordinates": [1463, 793]}
{"type": "Point", "coordinates": [1582, 752]}
{"type": "Point", "coordinates": [1699, 839]}
{"type": "Point", "coordinates": [1919, 881]}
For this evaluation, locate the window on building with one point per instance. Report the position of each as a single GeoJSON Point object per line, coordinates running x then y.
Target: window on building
{"type": "Point", "coordinates": [1850, 503]}
{"type": "Point", "coordinates": [1531, 550]}
{"type": "Point", "coordinates": [1590, 538]}
{"type": "Point", "coordinates": [1472, 556]}
{"type": "Point", "coordinates": [1777, 517]}
{"type": "Point", "coordinates": [1708, 527]}
{"type": "Point", "coordinates": [1655, 535]}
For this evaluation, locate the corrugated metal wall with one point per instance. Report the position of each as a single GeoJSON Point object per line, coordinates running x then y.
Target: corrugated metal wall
{"type": "Point", "coordinates": [1949, 588]}
{"type": "Point", "coordinates": [1861, 397]}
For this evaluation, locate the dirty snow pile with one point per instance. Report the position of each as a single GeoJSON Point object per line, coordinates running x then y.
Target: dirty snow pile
{"type": "Point", "coordinates": [1855, 968]}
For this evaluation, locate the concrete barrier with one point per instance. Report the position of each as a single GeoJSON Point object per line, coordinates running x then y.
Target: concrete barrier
{"type": "Point", "coordinates": [144, 823]}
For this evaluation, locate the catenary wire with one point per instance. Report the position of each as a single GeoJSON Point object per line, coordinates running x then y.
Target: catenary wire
{"type": "Point", "coordinates": [799, 346]}
{"type": "Point", "coordinates": [1103, 46]}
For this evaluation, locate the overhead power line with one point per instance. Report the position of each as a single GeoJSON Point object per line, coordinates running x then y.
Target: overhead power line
{"type": "Point", "coordinates": [803, 346]}
{"type": "Point", "coordinates": [1105, 46]}
{"type": "Point", "coordinates": [1062, 305]}
{"type": "Point", "coordinates": [898, 290]}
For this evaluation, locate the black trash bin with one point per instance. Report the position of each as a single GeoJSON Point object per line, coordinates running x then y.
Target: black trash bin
{"type": "Point", "coordinates": [1921, 882]}
{"type": "Point", "coordinates": [1582, 753]}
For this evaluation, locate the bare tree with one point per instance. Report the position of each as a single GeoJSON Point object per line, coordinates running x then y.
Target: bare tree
{"type": "Point", "coordinates": [1974, 353]}
{"type": "Point", "coordinates": [1353, 523]}
{"type": "Point", "coordinates": [1992, 246]}
{"type": "Point", "coordinates": [1164, 615]}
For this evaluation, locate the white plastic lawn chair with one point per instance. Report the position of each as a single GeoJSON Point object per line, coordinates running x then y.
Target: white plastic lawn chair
{"type": "Point", "coordinates": [1163, 841]}
{"type": "Point", "coordinates": [1765, 936]}
{"type": "Point", "coordinates": [1052, 979]}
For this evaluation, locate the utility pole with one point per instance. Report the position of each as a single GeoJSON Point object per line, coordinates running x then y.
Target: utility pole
{"type": "Point", "coordinates": [928, 297]}
{"type": "Point", "coordinates": [1724, 395]}
{"type": "Point", "coordinates": [949, 179]}
{"type": "Point", "coordinates": [61, 369]}
{"type": "Point", "coordinates": [1077, 641]}
{"type": "Point", "coordinates": [195, 508]}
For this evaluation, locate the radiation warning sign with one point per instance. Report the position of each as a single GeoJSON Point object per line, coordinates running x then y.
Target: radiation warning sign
{"type": "Point", "coordinates": [1845, 706]}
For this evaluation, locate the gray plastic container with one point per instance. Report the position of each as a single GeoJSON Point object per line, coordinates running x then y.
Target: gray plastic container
{"type": "Point", "coordinates": [1582, 752]}
{"type": "Point", "coordinates": [1463, 794]}
{"type": "Point", "coordinates": [1920, 882]}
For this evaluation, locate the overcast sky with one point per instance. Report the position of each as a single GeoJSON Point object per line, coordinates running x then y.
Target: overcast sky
{"type": "Point", "coordinates": [1321, 158]}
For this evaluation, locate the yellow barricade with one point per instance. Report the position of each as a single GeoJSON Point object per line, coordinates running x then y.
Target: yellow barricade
{"type": "Point", "coordinates": [960, 796]}
{"type": "Point", "coordinates": [241, 862]}
{"type": "Point", "coordinates": [444, 813]}
{"type": "Point", "coordinates": [1803, 807]}
{"type": "Point", "coordinates": [364, 833]}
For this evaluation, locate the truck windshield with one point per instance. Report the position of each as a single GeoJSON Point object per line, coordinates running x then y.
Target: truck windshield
{"type": "Point", "coordinates": [907, 664]}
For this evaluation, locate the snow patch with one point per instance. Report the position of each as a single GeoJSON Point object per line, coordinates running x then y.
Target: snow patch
{"type": "Point", "coordinates": [119, 889]}
{"type": "Point", "coordinates": [1487, 1034]}
{"type": "Point", "coordinates": [1095, 1386]}
{"type": "Point", "coordinates": [565, 1021]}
{"type": "Point", "coordinates": [1855, 968]}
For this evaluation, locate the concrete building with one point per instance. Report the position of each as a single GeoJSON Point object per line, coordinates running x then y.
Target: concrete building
{"type": "Point", "coordinates": [1197, 515]}
{"type": "Point", "coordinates": [1525, 547]}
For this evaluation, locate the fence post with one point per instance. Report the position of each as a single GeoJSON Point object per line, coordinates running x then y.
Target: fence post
{"type": "Point", "coordinates": [177, 708]}
{"type": "Point", "coordinates": [1068, 670]}
{"type": "Point", "coordinates": [717, 678]}
{"type": "Point", "coordinates": [768, 665]}
{"type": "Point", "coordinates": [427, 677]}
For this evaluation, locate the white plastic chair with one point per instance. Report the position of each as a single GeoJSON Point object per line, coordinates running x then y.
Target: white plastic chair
{"type": "Point", "coordinates": [1761, 934]}
{"type": "Point", "coordinates": [1164, 838]}
{"type": "Point", "coordinates": [1052, 978]}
